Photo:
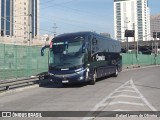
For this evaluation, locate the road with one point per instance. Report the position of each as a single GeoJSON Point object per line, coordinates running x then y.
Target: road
{"type": "Point", "coordinates": [132, 90]}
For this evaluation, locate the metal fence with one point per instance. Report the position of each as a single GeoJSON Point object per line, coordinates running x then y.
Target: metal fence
{"type": "Point", "coordinates": [140, 59]}
{"type": "Point", "coordinates": [21, 61]}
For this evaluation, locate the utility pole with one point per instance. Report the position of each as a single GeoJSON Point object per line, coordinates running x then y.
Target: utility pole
{"type": "Point", "coordinates": [29, 21]}
{"type": "Point", "coordinates": [135, 43]}
{"type": "Point", "coordinates": [29, 36]}
{"type": "Point", "coordinates": [127, 44]}
{"type": "Point", "coordinates": [55, 27]}
{"type": "Point", "coordinates": [155, 46]}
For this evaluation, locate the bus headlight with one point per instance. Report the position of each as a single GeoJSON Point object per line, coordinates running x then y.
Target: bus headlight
{"type": "Point", "coordinates": [81, 78]}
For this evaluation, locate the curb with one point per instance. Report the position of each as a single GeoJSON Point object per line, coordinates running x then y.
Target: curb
{"type": "Point", "coordinates": [133, 67]}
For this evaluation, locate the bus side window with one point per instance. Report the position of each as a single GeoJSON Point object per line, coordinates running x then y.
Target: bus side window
{"type": "Point", "coordinates": [94, 45]}
{"type": "Point", "coordinates": [88, 42]}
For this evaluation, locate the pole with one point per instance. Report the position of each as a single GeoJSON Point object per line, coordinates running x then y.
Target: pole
{"type": "Point", "coordinates": [152, 47]}
{"type": "Point", "coordinates": [135, 40]}
{"type": "Point", "coordinates": [55, 27]}
{"type": "Point", "coordinates": [29, 21]}
{"type": "Point", "coordinates": [29, 35]}
{"type": "Point", "coordinates": [127, 46]}
{"type": "Point", "coordinates": [155, 48]}
{"type": "Point", "coordinates": [137, 46]}
{"type": "Point", "coordinates": [155, 54]}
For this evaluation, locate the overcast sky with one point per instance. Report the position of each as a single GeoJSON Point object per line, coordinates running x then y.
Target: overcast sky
{"type": "Point", "coordinates": [81, 15]}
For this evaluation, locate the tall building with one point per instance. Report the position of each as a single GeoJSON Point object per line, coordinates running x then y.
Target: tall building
{"type": "Point", "coordinates": [19, 18]}
{"type": "Point", "coordinates": [155, 23]}
{"type": "Point", "coordinates": [132, 15]}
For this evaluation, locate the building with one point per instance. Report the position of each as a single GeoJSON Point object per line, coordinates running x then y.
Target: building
{"type": "Point", "coordinates": [155, 23]}
{"type": "Point", "coordinates": [19, 18]}
{"type": "Point", "coordinates": [132, 15]}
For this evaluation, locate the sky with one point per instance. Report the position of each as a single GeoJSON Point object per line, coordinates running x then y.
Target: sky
{"type": "Point", "coordinates": [81, 15]}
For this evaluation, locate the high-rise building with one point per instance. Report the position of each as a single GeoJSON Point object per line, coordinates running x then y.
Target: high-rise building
{"type": "Point", "coordinates": [132, 15]}
{"type": "Point", "coordinates": [19, 18]}
{"type": "Point", "coordinates": [155, 23]}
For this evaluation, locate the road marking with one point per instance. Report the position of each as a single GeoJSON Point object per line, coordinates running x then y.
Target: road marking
{"type": "Point", "coordinates": [121, 102]}
{"type": "Point", "coordinates": [142, 97]}
{"type": "Point", "coordinates": [127, 96]}
{"type": "Point", "coordinates": [126, 91]}
{"type": "Point", "coordinates": [104, 103]}
{"type": "Point", "coordinates": [128, 103]}
{"type": "Point", "coordinates": [109, 96]}
{"type": "Point", "coordinates": [120, 110]}
{"type": "Point", "coordinates": [128, 87]}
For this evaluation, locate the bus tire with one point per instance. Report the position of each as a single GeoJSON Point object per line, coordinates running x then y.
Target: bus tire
{"type": "Point", "coordinates": [116, 73]}
{"type": "Point", "coordinates": [93, 81]}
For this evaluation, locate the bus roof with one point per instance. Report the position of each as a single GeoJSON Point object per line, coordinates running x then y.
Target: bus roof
{"type": "Point", "coordinates": [81, 34]}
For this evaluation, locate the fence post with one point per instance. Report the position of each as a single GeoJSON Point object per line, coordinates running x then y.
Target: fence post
{"type": "Point", "coordinates": [137, 58]}
{"type": "Point", "coordinates": [155, 59]}
{"type": "Point", "coordinates": [16, 61]}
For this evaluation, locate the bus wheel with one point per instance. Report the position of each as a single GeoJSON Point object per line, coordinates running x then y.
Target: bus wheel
{"type": "Point", "coordinates": [93, 81]}
{"type": "Point", "coordinates": [116, 73]}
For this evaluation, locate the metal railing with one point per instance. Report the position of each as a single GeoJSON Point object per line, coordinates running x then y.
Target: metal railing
{"type": "Point", "coordinates": [8, 84]}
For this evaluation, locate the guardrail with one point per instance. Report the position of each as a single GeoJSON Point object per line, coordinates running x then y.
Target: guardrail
{"type": "Point", "coordinates": [7, 84]}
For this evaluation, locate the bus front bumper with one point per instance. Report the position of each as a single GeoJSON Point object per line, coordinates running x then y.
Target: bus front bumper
{"type": "Point", "coordinates": [70, 78]}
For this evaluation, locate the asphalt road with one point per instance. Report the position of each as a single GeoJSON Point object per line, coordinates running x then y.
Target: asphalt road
{"type": "Point", "coordinates": [132, 90]}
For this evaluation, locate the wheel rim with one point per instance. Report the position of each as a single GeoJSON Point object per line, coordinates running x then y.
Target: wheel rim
{"type": "Point", "coordinates": [116, 71]}
{"type": "Point", "coordinates": [95, 76]}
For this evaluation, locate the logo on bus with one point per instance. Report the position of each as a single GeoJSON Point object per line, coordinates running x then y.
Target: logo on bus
{"type": "Point", "coordinates": [100, 58]}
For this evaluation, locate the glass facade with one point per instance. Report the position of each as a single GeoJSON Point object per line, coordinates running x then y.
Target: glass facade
{"type": "Point", "coordinates": [132, 14]}
{"type": "Point", "coordinates": [34, 17]}
{"type": "Point", "coordinates": [6, 16]}
{"type": "Point", "coordinates": [118, 20]}
{"type": "Point", "coordinates": [8, 23]}
{"type": "Point", "coordinates": [140, 22]}
{"type": "Point", "coordinates": [2, 15]}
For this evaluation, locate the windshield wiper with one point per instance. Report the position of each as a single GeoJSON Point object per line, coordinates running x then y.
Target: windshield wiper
{"type": "Point", "coordinates": [57, 65]}
{"type": "Point", "coordinates": [71, 64]}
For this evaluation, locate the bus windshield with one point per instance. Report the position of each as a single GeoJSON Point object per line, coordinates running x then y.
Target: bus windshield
{"type": "Point", "coordinates": [67, 54]}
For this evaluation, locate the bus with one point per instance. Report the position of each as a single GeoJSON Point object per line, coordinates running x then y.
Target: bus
{"type": "Point", "coordinates": [83, 56]}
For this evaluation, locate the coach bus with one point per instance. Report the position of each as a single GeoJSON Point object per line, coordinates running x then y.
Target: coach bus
{"type": "Point", "coordinates": [83, 56]}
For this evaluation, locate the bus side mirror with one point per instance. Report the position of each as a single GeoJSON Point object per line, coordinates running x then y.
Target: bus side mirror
{"type": "Point", "coordinates": [83, 50]}
{"type": "Point", "coordinates": [42, 52]}
{"type": "Point", "coordinates": [43, 48]}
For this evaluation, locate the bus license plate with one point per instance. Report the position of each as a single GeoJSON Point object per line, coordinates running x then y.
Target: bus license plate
{"type": "Point", "coordinates": [65, 81]}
